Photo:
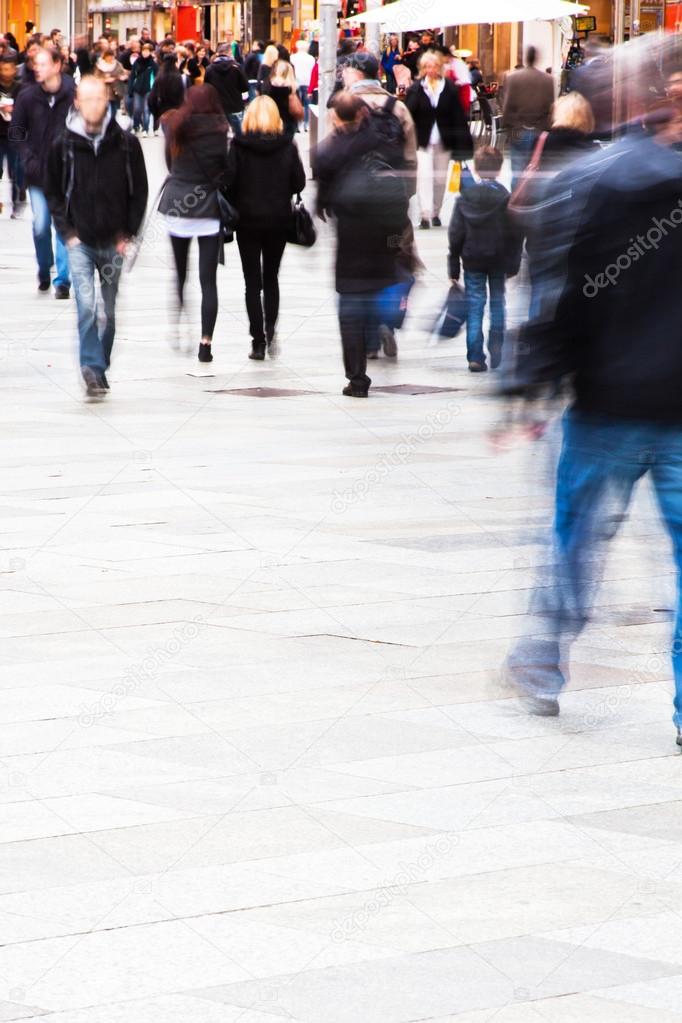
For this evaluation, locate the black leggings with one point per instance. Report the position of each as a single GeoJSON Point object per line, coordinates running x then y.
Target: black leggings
{"type": "Point", "coordinates": [208, 268]}
{"type": "Point", "coordinates": [261, 253]}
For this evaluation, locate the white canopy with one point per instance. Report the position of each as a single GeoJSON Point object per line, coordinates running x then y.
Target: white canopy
{"type": "Point", "coordinates": [407, 15]}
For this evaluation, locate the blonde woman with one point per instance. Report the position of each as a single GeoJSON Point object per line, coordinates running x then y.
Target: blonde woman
{"type": "Point", "coordinates": [270, 58]}
{"type": "Point", "coordinates": [442, 133]}
{"type": "Point", "coordinates": [282, 88]}
{"type": "Point", "coordinates": [264, 171]}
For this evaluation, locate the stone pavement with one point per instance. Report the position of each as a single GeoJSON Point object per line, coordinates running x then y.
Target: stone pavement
{"type": "Point", "coordinates": [256, 762]}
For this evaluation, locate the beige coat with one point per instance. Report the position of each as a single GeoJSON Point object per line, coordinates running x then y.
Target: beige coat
{"type": "Point", "coordinates": [528, 99]}
{"type": "Point", "coordinates": [374, 96]}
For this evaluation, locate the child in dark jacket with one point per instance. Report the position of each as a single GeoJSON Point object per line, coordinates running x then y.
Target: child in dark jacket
{"type": "Point", "coordinates": [483, 239]}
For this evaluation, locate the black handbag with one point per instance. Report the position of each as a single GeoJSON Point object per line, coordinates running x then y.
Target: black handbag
{"type": "Point", "coordinates": [454, 313]}
{"type": "Point", "coordinates": [302, 229]}
{"type": "Point", "coordinates": [229, 216]}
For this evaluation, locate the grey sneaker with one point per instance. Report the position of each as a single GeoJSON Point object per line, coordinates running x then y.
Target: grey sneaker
{"type": "Point", "coordinates": [541, 706]}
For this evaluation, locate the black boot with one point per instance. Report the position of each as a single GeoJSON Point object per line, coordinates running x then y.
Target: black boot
{"type": "Point", "coordinates": [205, 354]}
{"type": "Point", "coordinates": [257, 350]}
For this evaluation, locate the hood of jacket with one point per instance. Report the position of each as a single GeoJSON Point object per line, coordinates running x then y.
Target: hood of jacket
{"type": "Point", "coordinates": [257, 143]}
{"type": "Point", "coordinates": [224, 64]}
{"type": "Point", "coordinates": [76, 125]}
{"type": "Point", "coordinates": [480, 202]}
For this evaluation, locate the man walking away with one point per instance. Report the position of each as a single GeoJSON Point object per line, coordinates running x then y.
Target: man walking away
{"type": "Point", "coordinates": [97, 191]}
{"type": "Point", "coordinates": [528, 99]}
{"type": "Point", "coordinates": [38, 119]}
{"type": "Point", "coordinates": [303, 65]}
{"type": "Point", "coordinates": [227, 77]}
{"type": "Point", "coordinates": [368, 200]}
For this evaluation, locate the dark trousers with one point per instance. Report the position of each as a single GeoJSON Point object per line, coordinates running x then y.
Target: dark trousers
{"type": "Point", "coordinates": [14, 169]}
{"type": "Point", "coordinates": [358, 325]}
{"type": "Point", "coordinates": [209, 250]}
{"type": "Point", "coordinates": [261, 253]}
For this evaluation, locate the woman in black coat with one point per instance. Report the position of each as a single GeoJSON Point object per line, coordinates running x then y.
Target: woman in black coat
{"type": "Point", "coordinates": [442, 133]}
{"type": "Point", "coordinates": [168, 91]}
{"type": "Point", "coordinates": [264, 172]}
{"type": "Point", "coordinates": [196, 155]}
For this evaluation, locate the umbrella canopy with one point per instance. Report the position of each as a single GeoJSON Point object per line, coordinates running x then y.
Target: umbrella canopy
{"type": "Point", "coordinates": [406, 15]}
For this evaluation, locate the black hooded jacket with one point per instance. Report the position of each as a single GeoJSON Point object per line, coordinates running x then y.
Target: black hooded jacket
{"type": "Point", "coordinates": [37, 119]}
{"type": "Point", "coordinates": [263, 173]}
{"type": "Point", "coordinates": [229, 81]}
{"type": "Point", "coordinates": [96, 189]}
{"type": "Point", "coordinates": [481, 233]}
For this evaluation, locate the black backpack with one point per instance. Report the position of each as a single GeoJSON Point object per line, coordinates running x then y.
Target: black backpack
{"type": "Point", "coordinates": [389, 132]}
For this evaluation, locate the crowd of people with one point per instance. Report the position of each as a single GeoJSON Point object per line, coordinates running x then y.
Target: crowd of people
{"type": "Point", "coordinates": [594, 205]}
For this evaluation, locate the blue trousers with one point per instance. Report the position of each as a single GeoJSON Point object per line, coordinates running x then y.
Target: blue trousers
{"type": "Point", "coordinates": [521, 149]}
{"type": "Point", "coordinates": [140, 112]}
{"type": "Point", "coordinates": [96, 326]}
{"type": "Point", "coordinates": [477, 283]}
{"type": "Point", "coordinates": [601, 460]}
{"type": "Point", "coordinates": [42, 240]}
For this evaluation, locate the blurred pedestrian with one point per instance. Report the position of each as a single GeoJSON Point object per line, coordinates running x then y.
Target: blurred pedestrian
{"type": "Point", "coordinates": [281, 87]}
{"type": "Point", "coordinates": [9, 90]}
{"type": "Point", "coordinates": [140, 85]}
{"type": "Point", "coordinates": [264, 172]}
{"type": "Point", "coordinates": [97, 192]}
{"type": "Point", "coordinates": [390, 56]}
{"type": "Point", "coordinates": [252, 64]}
{"type": "Point", "coordinates": [270, 58]}
{"type": "Point", "coordinates": [112, 73]}
{"type": "Point", "coordinates": [303, 65]}
{"type": "Point", "coordinates": [228, 79]}
{"type": "Point", "coordinates": [38, 118]}
{"type": "Point", "coordinates": [442, 134]}
{"type": "Point", "coordinates": [196, 157]}
{"type": "Point", "coordinates": [168, 90]}
{"type": "Point", "coordinates": [528, 99]}
{"type": "Point", "coordinates": [368, 201]}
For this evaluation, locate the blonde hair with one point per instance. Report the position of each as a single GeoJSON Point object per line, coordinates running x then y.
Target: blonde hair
{"type": "Point", "coordinates": [429, 57]}
{"type": "Point", "coordinates": [262, 118]}
{"type": "Point", "coordinates": [271, 55]}
{"type": "Point", "coordinates": [283, 69]}
{"type": "Point", "coordinates": [573, 111]}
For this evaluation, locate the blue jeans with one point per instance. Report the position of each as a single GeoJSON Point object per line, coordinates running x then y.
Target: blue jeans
{"type": "Point", "coordinates": [601, 460]}
{"type": "Point", "coordinates": [358, 325]}
{"type": "Point", "coordinates": [140, 112]}
{"type": "Point", "coordinates": [235, 122]}
{"type": "Point", "coordinates": [96, 340]}
{"type": "Point", "coordinates": [303, 96]}
{"type": "Point", "coordinates": [42, 240]}
{"type": "Point", "coordinates": [475, 282]}
{"type": "Point", "coordinates": [521, 148]}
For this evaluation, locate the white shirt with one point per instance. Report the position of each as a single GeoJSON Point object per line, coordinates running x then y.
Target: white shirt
{"type": "Point", "coordinates": [303, 64]}
{"type": "Point", "coordinates": [434, 95]}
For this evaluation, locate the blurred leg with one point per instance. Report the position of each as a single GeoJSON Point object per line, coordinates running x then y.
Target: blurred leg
{"type": "Point", "coordinates": [475, 284]}
{"type": "Point", "coordinates": [667, 480]}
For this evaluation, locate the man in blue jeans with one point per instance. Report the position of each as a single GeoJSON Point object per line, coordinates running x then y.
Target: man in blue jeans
{"type": "Point", "coordinates": [97, 190]}
{"type": "Point", "coordinates": [38, 119]}
{"type": "Point", "coordinates": [483, 240]}
{"type": "Point", "coordinates": [608, 318]}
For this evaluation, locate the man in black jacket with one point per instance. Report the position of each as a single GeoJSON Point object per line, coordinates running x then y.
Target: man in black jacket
{"type": "Point", "coordinates": [608, 318]}
{"type": "Point", "coordinates": [38, 118]}
{"type": "Point", "coordinates": [369, 203]}
{"type": "Point", "coordinates": [228, 78]}
{"type": "Point", "coordinates": [97, 191]}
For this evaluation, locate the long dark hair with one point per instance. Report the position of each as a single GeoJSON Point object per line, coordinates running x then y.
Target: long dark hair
{"type": "Point", "coordinates": [201, 101]}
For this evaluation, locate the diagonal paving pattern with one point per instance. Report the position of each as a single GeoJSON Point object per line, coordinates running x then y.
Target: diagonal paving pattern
{"type": "Point", "coordinates": [256, 761]}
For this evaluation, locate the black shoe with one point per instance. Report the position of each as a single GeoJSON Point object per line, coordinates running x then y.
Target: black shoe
{"type": "Point", "coordinates": [437, 222]}
{"type": "Point", "coordinates": [541, 706]}
{"type": "Point", "coordinates": [104, 383]}
{"type": "Point", "coordinates": [93, 383]}
{"type": "Point", "coordinates": [273, 347]}
{"type": "Point", "coordinates": [354, 392]}
{"type": "Point", "coordinates": [43, 285]}
{"type": "Point", "coordinates": [678, 740]}
{"type": "Point", "coordinates": [257, 351]}
{"type": "Point", "coordinates": [495, 355]}
{"type": "Point", "coordinates": [388, 341]}
{"type": "Point", "coordinates": [61, 291]}
{"type": "Point", "coordinates": [205, 353]}
{"type": "Point", "coordinates": [424, 224]}
{"type": "Point", "coordinates": [477, 367]}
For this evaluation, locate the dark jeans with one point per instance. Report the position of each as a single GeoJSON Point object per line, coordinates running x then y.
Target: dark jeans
{"type": "Point", "coordinates": [358, 325]}
{"type": "Point", "coordinates": [477, 283]}
{"type": "Point", "coordinates": [235, 122]}
{"type": "Point", "coordinates": [261, 253]}
{"type": "Point", "coordinates": [521, 146]}
{"type": "Point", "coordinates": [601, 460]}
{"type": "Point", "coordinates": [209, 251]}
{"type": "Point", "coordinates": [140, 112]}
{"type": "Point", "coordinates": [14, 169]}
{"type": "Point", "coordinates": [96, 327]}
{"type": "Point", "coordinates": [303, 96]}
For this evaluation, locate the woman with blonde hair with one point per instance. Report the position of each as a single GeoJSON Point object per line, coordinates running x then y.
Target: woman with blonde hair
{"type": "Point", "coordinates": [282, 87]}
{"type": "Point", "coordinates": [264, 171]}
{"type": "Point", "coordinates": [270, 58]}
{"type": "Point", "coordinates": [442, 133]}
